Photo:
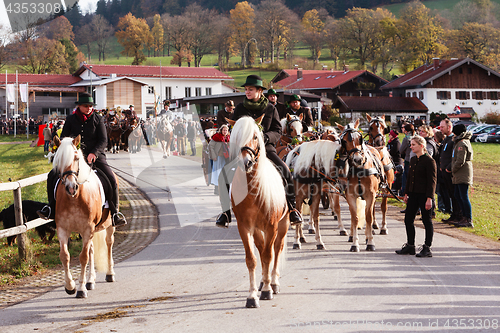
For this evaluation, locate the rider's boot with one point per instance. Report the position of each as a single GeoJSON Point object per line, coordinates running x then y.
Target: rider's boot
{"type": "Point", "coordinates": [118, 219]}
{"type": "Point", "coordinates": [295, 217]}
{"type": "Point", "coordinates": [224, 218]}
{"type": "Point", "coordinates": [48, 211]}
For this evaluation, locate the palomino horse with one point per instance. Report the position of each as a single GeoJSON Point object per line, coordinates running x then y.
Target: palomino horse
{"type": "Point", "coordinates": [114, 134]}
{"type": "Point", "coordinates": [363, 179]}
{"type": "Point", "coordinates": [259, 205]}
{"type": "Point", "coordinates": [376, 133]}
{"type": "Point", "coordinates": [79, 209]}
{"type": "Point", "coordinates": [313, 163]}
{"type": "Point", "coordinates": [135, 138]}
{"type": "Point", "coordinates": [291, 127]}
{"type": "Point", "coordinates": [165, 135]}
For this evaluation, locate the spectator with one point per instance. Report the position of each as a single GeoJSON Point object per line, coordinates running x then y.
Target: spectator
{"type": "Point", "coordinates": [444, 202]}
{"type": "Point", "coordinates": [445, 156]}
{"type": "Point", "coordinates": [219, 153]}
{"type": "Point", "coordinates": [226, 113]}
{"type": "Point", "coordinates": [461, 168]}
{"type": "Point", "coordinates": [47, 137]}
{"type": "Point", "coordinates": [406, 153]}
{"type": "Point", "coordinates": [419, 192]}
{"type": "Point", "coordinates": [393, 146]}
{"type": "Point", "coordinates": [191, 136]}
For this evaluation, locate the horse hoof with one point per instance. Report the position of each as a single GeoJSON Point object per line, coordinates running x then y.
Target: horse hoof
{"type": "Point", "coordinates": [260, 286]}
{"type": "Point", "coordinates": [266, 295]}
{"type": "Point", "coordinates": [383, 231]}
{"type": "Point", "coordinates": [343, 233]}
{"type": "Point", "coordinates": [311, 231]}
{"type": "Point", "coordinates": [70, 292]}
{"type": "Point", "coordinates": [320, 247]}
{"type": "Point", "coordinates": [374, 226]}
{"type": "Point", "coordinates": [110, 278]}
{"type": "Point", "coordinates": [373, 232]}
{"type": "Point", "coordinates": [350, 239]}
{"type": "Point", "coordinates": [370, 248]}
{"type": "Point", "coordinates": [354, 249]}
{"type": "Point", "coordinates": [252, 303]}
{"type": "Point", "coordinates": [296, 246]}
{"type": "Point", "coordinates": [276, 288]}
{"type": "Point", "coordinates": [302, 240]}
{"type": "Point", "coordinates": [90, 286]}
{"type": "Point", "coordinates": [335, 218]}
{"type": "Point", "coordinates": [81, 294]}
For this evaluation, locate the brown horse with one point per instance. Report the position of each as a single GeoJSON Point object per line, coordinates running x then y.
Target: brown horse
{"type": "Point", "coordinates": [135, 139]}
{"type": "Point", "coordinates": [259, 205]}
{"type": "Point", "coordinates": [376, 133]}
{"type": "Point", "coordinates": [114, 134]}
{"type": "Point", "coordinates": [313, 164]}
{"type": "Point", "coordinates": [128, 125]}
{"type": "Point", "coordinates": [79, 209]}
{"type": "Point", "coordinates": [165, 135]}
{"type": "Point", "coordinates": [363, 172]}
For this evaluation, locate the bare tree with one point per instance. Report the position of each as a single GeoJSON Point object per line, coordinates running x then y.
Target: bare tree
{"type": "Point", "coordinates": [102, 31]}
{"type": "Point", "coordinates": [222, 41]}
{"type": "Point", "coordinates": [202, 31]}
{"type": "Point", "coordinates": [84, 37]}
{"type": "Point", "coordinates": [5, 35]}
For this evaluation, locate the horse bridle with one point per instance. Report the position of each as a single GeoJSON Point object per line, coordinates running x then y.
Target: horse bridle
{"type": "Point", "coordinates": [289, 123]}
{"type": "Point", "coordinates": [373, 121]}
{"type": "Point", "coordinates": [349, 131]}
{"type": "Point", "coordinates": [64, 176]}
{"type": "Point", "coordinates": [255, 154]}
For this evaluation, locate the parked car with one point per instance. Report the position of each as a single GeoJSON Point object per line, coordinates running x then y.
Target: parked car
{"type": "Point", "coordinates": [485, 129]}
{"type": "Point", "coordinates": [494, 136]}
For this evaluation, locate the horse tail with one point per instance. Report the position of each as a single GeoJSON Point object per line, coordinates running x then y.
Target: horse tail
{"type": "Point", "coordinates": [100, 251]}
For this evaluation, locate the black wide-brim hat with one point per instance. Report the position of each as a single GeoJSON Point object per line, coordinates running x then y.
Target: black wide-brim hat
{"type": "Point", "coordinates": [85, 99]}
{"type": "Point", "coordinates": [254, 81]}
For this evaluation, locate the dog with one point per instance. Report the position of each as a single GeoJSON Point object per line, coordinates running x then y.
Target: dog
{"type": "Point", "coordinates": [29, 211]}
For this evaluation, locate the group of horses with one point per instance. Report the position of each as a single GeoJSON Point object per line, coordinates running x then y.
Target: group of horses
{"type": "Point", "coordinates": [339, 162]}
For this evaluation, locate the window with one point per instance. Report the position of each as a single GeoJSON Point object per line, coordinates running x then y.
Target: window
{"type": "Point", "coordinates": [420, 95]}
{"type": "Point", "coordinates": [151, 89]}
{"type": "Point", "coordinates": [168, 92]}
{"type": "Point", "coordinates": [408, 94]}
{"type": "Point", "coordinates": [443, 94]}
{"type": "Point", "coordinates": [460, 70]}
{"type": "Point", "coordinates": [477, 95]}
{"type": "Point", "coordinates": [197, 91]}
{"type": "Point", "coordinates": [187, 92]}
{"type": "Point", "coordinates": [462, 95]}
{"type": "Point", "coordinates": [493, 95]}
{"type": "Point", "coordinates": [208, 91]}
{"type": "Point", "coordinates": [469, 70]}
{"type": "Point", "coordinates": [414, 94]}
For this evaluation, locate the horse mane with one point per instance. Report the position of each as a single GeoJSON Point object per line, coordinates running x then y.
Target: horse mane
{"type": "Point", "coordinates": [65, 156]}
{"type": "Point", "coordinates": [331, 129]}
{"type": "Point", "coordinates": [166, 124]}
{"type": "Point", "coordinates": [319, 154]}
{"type": "Point", "coordinates": [283, 124]}
{"type": "Point", "coordinates": [270, 189]}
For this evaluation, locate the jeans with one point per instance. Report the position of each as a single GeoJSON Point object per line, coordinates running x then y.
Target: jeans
{"type": "Point", "coordinates": [462, 197]}
{"type": "Point", "coordinates": [46, 145]}
{"type": "Point", "coordinates": [416, 201]}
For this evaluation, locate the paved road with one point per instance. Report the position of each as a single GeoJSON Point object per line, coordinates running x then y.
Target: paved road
{"type": "Point", "coordinates": [193, 278]}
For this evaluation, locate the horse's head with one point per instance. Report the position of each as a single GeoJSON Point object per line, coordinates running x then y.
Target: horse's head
{"type": "Point", "coordinates": [68, 163]}
{"type": "Point", "coordinates": [247, 141]}
{"type": "Point", "coordinates": [353, 143]}
{"type": "Point", "coordinates": [293, 125]}
{"type": "Point", "coordinates": [376, 130]}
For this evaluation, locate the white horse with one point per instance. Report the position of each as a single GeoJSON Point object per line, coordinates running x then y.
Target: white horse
{"type": "Point", "coordinates": [165, 135]}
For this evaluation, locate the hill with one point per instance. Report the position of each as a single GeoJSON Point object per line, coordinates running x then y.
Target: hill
{"type": "Point", "coordinates": [431, 4]}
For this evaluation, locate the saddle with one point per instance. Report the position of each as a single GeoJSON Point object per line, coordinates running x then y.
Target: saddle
{"type": "Point", "coordinates": [106, 185]}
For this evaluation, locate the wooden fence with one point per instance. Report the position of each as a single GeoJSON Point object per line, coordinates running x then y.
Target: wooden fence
{"type": "Point", "coordinates": [21, 228]}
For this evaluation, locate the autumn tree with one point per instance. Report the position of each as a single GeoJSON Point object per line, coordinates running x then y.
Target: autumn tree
{"type": "Point", "coordinates": [274, 24]}
{"type": "Point", "coordinates": [101, 31]}
{"type": "Point", "coordinates": [182, 56]}
{"type": "Point", "coordinates": [333, 40]}
{"type": "Point", "coordinates": [222, 41]}
{"type": "Point", "coordinates": [313, 32]}
{"type": "Point", "coordinates": [158, 35]}
{"type": "Point", "coordinates": [476, 41]}
{"type": "Point", "coordinates": [44, 55]}
{"type": "Point", "coordinates": [242, 27]}
{"type": "Point", "coordinates": [181, 30]}
{"type": "Point", "coordinates": [84, 37]}
{"type": "Point", "coordinates": [59, 28]}
{"type": "Point", "coordinates": [202, 32]}
{"type": "Point", "coordinates": [133, 35]}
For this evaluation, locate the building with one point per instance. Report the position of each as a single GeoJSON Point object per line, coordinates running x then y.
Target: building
{"type": "Point", "coordinates": [444, 84]}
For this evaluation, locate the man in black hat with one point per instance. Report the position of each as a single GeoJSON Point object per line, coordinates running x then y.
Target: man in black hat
{"type": "Point", "coordinates": [226, 113]}
{"type": "Point", "coordinates": [94, 139]}
{"type": "Point", "coordinates": [296, 109]}
{"type": "Point", "coordinates": [272, 96]}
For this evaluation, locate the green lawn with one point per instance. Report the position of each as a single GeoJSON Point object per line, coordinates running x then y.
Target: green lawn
{"type": "Point", "coordinates": [432, 4]}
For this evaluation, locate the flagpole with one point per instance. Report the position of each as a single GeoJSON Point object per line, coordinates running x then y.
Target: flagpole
{"type": "Point", "coordinates": [27, 111]}
{"type": "Point", "coordinates": [16, 89]}
{"type": "Point", "coordinates": [6, 100]}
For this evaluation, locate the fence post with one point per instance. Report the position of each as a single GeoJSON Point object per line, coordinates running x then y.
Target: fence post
{"type": "Point", "coordinates": [21, 238]}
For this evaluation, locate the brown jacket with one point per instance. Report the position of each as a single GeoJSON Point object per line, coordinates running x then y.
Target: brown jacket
{"type": "Point", "coordinates": [461, 160]}
{"type": "Point", "coordinates": [422, 176]}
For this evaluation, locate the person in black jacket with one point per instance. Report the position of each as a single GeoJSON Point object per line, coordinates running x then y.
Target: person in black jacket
{"type": "Point", "coordinates": [296, 109]}
{"type": "Point", "coordinates": [272, 96]}
{"type": "Point", "coordinates": [255, 105]}
{"type": "Point", "coordinates": [393, 147]}
{"type": "Point", "coordinates": [90, 126]}
{"type": "Point", "coordinates": [419, 192]}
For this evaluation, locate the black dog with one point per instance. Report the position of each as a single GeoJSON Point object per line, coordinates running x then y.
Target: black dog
{"type": "Point", "coordinates": [29, 211]}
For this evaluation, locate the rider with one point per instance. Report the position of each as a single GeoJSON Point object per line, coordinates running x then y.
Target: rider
{"type": "Point", "coordinates": [272, 96]}
{"type": "Point", "coordinates": [296, 109]}
{"type": "Point", "coordinates": [90, 127]}
{"type": "Point", "coordinates": [255, 105]}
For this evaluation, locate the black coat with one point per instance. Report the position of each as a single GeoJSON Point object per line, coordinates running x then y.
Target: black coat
{"type": "Point", "coordinates": [307, 119]}
{"type": "Point", "coordinates": [393, 147]}
{"type": "Point", "coordinates": [270, 123]}
{"type": "Point", "coordinates": [281, 110]}
{"type": "Point", "coordinates": [422, 176]}
{"type": "Point", "coordinates": [446, 152]}
{"type": "Point", "coordinates": [94, 138]}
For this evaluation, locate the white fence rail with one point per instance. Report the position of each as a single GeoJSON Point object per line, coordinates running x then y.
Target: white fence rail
{"type": "Point", "coordinates": [21, 228]}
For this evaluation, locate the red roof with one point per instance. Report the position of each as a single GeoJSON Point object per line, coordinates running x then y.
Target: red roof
{"type": "Point", "coordinates": [322, 79]}
{"type": "Point", "coordinates": [382, 103]}
{"type": "Point", "coordinates": [154, 71]}
{"type": "Point", "coordinates": [428, 72]}
{"type": "Point", "coordinates": [42, 79]}
{"type": "Point", "coordinates": [460, 116]}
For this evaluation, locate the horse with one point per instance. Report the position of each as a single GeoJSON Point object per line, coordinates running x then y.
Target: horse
{"type": "Point", "coordinates": [363, 172]}
{"type": "Point", "coordinates": [376, 133]}
{"type": "Point", "coordinates": [259, 205]}
{"type": "Point", "coordinates": [135, 138]}
{"type": "Point", "coordinates": [313, 163]}
{"type": "Point", "coordinates": [128, 125]}
{"type": "Point", "coordinates": [79, 209]}
{"type": "Point", "coordinates": [165, 135]}
{"type": "Point", "coordinates": [114, 134]}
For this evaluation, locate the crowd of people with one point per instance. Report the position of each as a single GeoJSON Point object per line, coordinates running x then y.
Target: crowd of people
{"type": "Point", "coordinates": [19, 126]}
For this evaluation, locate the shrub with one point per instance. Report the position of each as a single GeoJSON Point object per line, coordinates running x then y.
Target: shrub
{"type": "Point", "coordinates": [492, 117]}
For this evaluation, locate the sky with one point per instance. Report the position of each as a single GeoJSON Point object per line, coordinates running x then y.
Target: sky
{"type": "Point", "coordinates": [85, 5]}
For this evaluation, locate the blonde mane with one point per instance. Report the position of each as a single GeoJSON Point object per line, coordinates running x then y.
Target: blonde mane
{"type": "Point", "coordinates": [267, 180]}
{"type": "Point", "coordinates": [319, 154]}
{"type": "Point", "coordinates": [65, 156]}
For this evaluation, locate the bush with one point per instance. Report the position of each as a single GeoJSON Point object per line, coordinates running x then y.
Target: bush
{"type": "Point", "coordinates": [492, 117]}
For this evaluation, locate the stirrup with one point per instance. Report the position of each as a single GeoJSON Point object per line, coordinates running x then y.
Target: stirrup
{"type": "Point", "coordinates": [118, 220]}
{"type": "Point", "coordinates": [299, 221]}
{"type": "Point", "coordinates": [41, 213]}
{"type": "Point", "coordinates": [220, 220]}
